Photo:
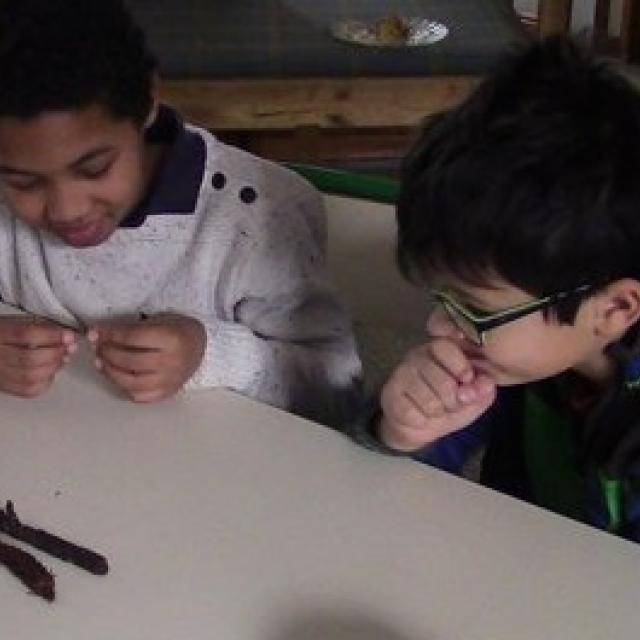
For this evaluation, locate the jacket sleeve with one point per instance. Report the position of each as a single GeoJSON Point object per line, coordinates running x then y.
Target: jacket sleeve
{"type": "Point", "coordinates": [451, 453]}
{"type": "Point", "coordinates": [280, 334]}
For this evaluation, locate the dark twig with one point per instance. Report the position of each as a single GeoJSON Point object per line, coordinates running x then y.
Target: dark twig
{"type": "Point", "coordinates": [25, 567]}
{"type": "Point", "coordinates": [51, 544]}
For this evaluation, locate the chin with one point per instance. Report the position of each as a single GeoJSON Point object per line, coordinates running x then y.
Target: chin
{"type": "Point", "coordinates": [504, 379]}
{"type": "Point", "coordinates": [86, 243]}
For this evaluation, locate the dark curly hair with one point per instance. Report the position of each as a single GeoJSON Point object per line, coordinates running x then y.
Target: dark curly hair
{"type": "Point", "coordinates": [69, 54]}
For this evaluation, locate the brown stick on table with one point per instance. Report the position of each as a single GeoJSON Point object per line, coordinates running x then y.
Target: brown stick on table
{"type": "Point", "coordinates": [51, 544]}
{"type": "Point", "coordinates": [25, 567]}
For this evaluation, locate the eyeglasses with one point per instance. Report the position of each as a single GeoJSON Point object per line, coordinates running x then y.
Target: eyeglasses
{"type": "Point", "coordinates": [475, 325]}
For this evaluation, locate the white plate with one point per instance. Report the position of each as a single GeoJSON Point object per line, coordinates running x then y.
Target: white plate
{"type": "Point", "coordinates": [421, 32]}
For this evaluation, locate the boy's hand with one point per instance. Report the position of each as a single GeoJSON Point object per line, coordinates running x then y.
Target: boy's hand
{"type": "Point", "coordinates": [436, 390]}
{"type": "Point", "coordinates": [32, 351]}
{"type": "Point", "coordinates": [149, 359]}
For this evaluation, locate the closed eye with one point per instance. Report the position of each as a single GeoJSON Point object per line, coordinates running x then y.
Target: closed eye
{"type": "Point", "coordinates": [95, 170]}
{"type": "Point", "coordinates": [22, 184]}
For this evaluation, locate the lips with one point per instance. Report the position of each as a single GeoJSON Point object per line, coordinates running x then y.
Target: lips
{"type": "Point", "coordinates": [86, 234]}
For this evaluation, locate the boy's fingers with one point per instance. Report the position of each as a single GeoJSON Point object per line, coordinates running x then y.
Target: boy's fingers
{"type": "Point", "coordinates": [135, 361]}
{"type": "Point", "coordinates": [441, 384]}
{"type": "Point", "coordinates": [484, 385]}
{"type": "Point", "coordinates": [35, 376]}
{"type": "Point", "coordinates": [35, 334]}
{"type": "Point", "coordinates": [425, 402]}
{"type": "Point", "coordinates": [407, 436]}
{"type": "Point", "coordinates": [422, 397]}
{"type": "Point", "coordinates": [452, 359]}
{"type": "Point", "coordinates": [131, 382]}
{"type": "Point", "coordinates": [406, 390]}
{"type": "Point", "coordinates": [27, 357]}
{"type": "Point", "coordinates": [405, 413]}
{"type": "Point", "coordinates": [129, 335]}
{"type": "Point", "coordinates": [410, 402]}
{"type": "Point", "coordinates": [25, 376]}
{"type": "Point", "coordinates": [29, 386]}
{"type": "Point", "coordinates": [481, 389]}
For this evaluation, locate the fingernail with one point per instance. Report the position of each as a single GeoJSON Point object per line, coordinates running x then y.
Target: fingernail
{"type": "Point", "coordinates": [466, 395]}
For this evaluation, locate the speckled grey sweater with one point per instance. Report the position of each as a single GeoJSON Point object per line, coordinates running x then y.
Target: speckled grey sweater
{"type": "Point", "coordinates": [225, 237]}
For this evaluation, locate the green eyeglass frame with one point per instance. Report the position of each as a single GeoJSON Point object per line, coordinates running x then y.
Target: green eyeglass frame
{"type": "Point", "coordinates": [475, 326]}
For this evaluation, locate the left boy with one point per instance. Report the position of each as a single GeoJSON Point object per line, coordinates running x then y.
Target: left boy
{"type": "Point", "coordinates": [188, 262]}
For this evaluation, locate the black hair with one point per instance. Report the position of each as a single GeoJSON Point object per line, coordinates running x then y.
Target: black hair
{"type": "Point", "coordinates": [69, 54]}
{"type": "Point", "coordinates": [535, 179]}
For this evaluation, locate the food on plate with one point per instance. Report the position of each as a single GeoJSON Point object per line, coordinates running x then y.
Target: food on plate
{"type": "Point", "coordinates": [392, 30]}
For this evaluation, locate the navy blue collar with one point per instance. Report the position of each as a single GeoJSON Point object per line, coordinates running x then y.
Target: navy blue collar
{"type": "Point", "coordinates": [174, 190]}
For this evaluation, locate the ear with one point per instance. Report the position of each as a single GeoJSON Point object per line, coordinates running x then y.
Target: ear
{"type": "Point", "coordinates": [155, 101]}
{"type": "Point", "coordinates": [617, 308]}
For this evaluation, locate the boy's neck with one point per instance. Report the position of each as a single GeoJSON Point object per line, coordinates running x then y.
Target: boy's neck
{"type": "Point", "coordinates": [598, 370]}
{"type": "Point", "coordinates": [588, 383]}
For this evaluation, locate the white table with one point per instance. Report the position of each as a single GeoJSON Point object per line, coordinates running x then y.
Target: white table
{"type": "Point", "coordinates": [224, 519]}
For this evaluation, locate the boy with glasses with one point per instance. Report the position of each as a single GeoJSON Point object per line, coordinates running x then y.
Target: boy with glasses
{"type": "Point", "coordinates": [520, 213]}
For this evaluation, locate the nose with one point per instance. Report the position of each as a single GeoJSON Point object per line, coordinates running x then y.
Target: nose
{"type": "Point", "coordinates": [65, 203]}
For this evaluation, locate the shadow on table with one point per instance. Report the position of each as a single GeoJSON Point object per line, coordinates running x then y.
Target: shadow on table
{"type": "Point", "coordinates": [322, 626]}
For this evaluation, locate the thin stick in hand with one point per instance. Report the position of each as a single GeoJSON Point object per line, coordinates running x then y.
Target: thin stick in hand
{"type": "Point", "coordinates": [51, 544]}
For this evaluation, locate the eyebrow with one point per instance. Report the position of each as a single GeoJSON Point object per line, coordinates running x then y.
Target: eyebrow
{"type": "Point", "coordinates": [90, 155]}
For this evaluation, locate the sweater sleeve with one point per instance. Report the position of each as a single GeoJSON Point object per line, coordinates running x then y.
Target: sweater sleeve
{"type": "Point", "coordinates": [283, 337]}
